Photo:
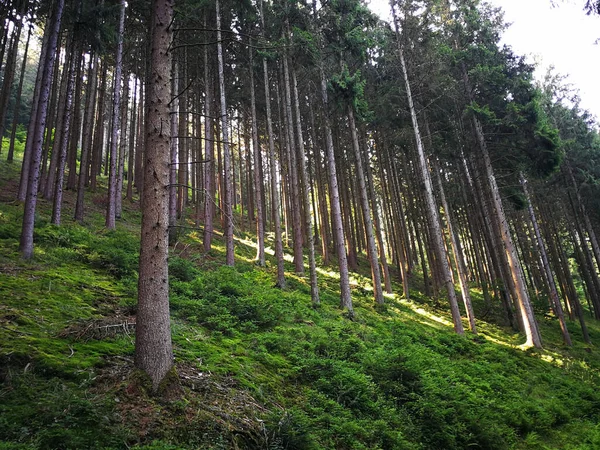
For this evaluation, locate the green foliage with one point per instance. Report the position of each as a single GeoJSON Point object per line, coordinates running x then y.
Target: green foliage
{"type": "Point", "coordinates": [62, 416]}
{"type": "Point", "coordinates": [392, 378]}
{"type": "Point", "coordinates": [225, 301]}
{"type": "Point", "coordinates": [349, 90]}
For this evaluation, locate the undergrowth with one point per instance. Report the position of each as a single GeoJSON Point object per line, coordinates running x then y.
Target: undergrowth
{"type": "Point", "coordinates": [260, 367]}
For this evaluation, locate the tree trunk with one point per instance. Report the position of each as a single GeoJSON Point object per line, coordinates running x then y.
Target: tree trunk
{"type": "Point", "coordinates": [228, 184]}
{"type": "Point", "coordinates": [122, 150]}
{"type": "Point", "coordinates": [557, 306]}
{"type": "Point", "coordinates": [431, 207]}
{"type": "Point", "coordinates": [26, 242]}
{"type": "Point", "coordinates": [209, 176]}
{"type": "Point", "coordinates": [336, 211]}
{"type": "Point", "coordinates": [9, 75]}
{"type": "Point", "coordinates": [98, 142]}
{"type": "Point", "coordinates": [62, 147]}
{"type": "Point", "coordinates": [11, 148]}
{"type": "Point", "coordinates": [457, 250]}
{"type": "Point", "coordinates": [258, 184]}
{"type": "Point", "coordinates": [86, 142]}
{"type": "Point", "coordinates": [173, 188]}
{"type": "Point", "coordinates": [293, 184]}
{"type": "Point", "coordinates": [132, 141]}
{"type": "Point", "coordinates": [115, 126]}
{"type": "Point", "coordinates": [153, 349]}
{"type": "Point", "coordinates": [366, 211]}
{"type": "Point", "coordinates": [27, 156]}
{"type": "Point", "coordinates": [312, 264]}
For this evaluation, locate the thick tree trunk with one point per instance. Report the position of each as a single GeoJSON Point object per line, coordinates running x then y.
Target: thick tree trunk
{"type": "Point", "coordinates": [153, 348]}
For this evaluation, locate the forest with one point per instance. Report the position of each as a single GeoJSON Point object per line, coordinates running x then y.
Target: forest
{"type": "Point", "coordinates": [254, 224]}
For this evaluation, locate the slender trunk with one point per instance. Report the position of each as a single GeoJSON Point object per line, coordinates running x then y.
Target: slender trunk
{"type": "Point", "coordinates": [16, 111]}
{"type": "Point", "coordinates": [258, 186]}
{"type": "Point", "coordinates": [60, 169]}
{"type": "Point", "coordinates": [431, 207]}
{"type": "Point", "coordinates": [377, 225]}
{"type": "Point", "coordinates": [295, 191]}
{"type": "Point", "coordinates": [76, 126]}
{"type": "Point", "coordinates": [48, 184]}
{"type": "Point", "coordinates": [457, 250]}
{"type": "Point", "coordinates": [27, 156]}
{"type": "Point", "coordinates": [122, 150]}
{"type": "Point", "coordinates": [9, 75]}
{"type": "Point", "coordinates": [336, 211]}
{"type": "Point", "coordinates": [26, 242]}
{"type": "Point", "coordinates": [86, 143]}
{"type": "Point", "coordinates": [132, 141]}
{"type": "Point", "coordinates": [314, 286]}
{"type": "Point", "coordinates": [228, 183]}
{"type": "Point", "coordinates": [115, 126]}
{"type": "Point", "coordinates": [173, 188]}
{"type": "Point", "coordinates": [557, 306]}
{"type": "Point", "coordinates": [366, 211]}
{"type": "Point", "coordinates": [98, 131]}
{"type": "Point", "coordinates": [209, 177]}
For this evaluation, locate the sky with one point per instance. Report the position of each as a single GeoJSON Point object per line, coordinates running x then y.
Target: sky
{"type": "Point", "coordinates": [562, 36]}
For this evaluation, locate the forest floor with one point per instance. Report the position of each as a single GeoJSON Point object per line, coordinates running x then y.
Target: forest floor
{"type": "Point", "coordinates": [260, 367]}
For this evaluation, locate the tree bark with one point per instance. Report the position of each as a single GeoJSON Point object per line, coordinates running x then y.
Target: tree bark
{"type": "Point", "coordinates": [336, 211]}
{"type": "Point", "coordinates": [228, 183]}
{"type": "Point", "coordinates": [366, 211]}
{"type": "Point", "coordinates": [115, 126]}
{"type": "Point", "coordinates": [557, 306]}
{"type": "Point", "coordinates": [312, 264]}
{"type": "Point", "coordinates": [153, 348]}
{"type": "Point", "coordinates": [11, 148]}
{"type": "Point", "coordinates": [26, 242]}
{"type": "Point", "coordinates": [86, 142]}
{"type": "Point", "coordinates": [431, 207]}
{"type": "Point", "coordinates": [258, 184]}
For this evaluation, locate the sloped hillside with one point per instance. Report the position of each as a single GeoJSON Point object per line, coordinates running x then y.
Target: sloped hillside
{"type": "Point", "coordinates": [259, 367]}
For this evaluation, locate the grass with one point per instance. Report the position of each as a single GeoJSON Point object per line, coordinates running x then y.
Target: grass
{"type": "Point", "coordinates": [260, 367]}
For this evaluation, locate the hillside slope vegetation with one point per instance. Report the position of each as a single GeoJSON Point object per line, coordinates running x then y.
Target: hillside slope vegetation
{"type": "Point", "coordinates": [259, 367]}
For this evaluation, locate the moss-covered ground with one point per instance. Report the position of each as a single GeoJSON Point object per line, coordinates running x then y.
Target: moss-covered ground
{"type": "Point", "coordinates": [259, 367]}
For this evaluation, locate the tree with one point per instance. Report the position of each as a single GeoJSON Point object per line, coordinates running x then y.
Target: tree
{"type": "Point", "coordinates": [153, 348]}
{"type": "Point", "coordinates": [30, 178]}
